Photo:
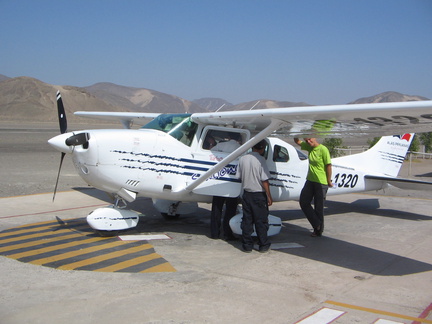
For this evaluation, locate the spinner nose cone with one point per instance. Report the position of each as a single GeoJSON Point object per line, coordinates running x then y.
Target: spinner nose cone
{"type": "Point", "coordinates": [59, 143]}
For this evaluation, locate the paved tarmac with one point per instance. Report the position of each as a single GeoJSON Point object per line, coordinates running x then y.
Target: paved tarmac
{"type": "Point", "coordinates": [374, 262]}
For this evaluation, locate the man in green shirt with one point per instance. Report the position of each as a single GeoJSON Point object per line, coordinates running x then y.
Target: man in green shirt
{"type": "Point", "coordinates": [318, 180]}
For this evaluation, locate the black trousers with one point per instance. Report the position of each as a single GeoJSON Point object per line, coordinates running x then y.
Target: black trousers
{"type": "Point", "coordinates": [255, 212]}
{"type": "Point", "coordinates": [216, 216]}
{"type": "Point", "coordinates": [316, 192]}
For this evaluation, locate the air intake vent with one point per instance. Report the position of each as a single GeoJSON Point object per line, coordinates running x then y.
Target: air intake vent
{"type": "Point", "coordinates": [132, 183]}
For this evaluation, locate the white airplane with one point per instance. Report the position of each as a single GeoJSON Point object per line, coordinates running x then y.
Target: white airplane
{"type": "Point", "coordinates": [170, 160]}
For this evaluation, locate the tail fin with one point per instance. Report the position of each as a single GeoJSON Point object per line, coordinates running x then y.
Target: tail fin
{"type": "Point", "coordinates": [385, 157]}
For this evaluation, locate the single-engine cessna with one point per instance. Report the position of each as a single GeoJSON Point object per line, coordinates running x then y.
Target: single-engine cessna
{"type": "Point", "coordinates": [178, 160]}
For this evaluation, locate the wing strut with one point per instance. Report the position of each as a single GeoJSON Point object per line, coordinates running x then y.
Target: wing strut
{"type": "Point", "coordinates": [274, 125]}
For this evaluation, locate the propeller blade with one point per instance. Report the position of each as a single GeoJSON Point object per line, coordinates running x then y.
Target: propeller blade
{"type": "Point", "coordinates": [61, 114]}
{"type": "Point", "coordinates": [58, 174]}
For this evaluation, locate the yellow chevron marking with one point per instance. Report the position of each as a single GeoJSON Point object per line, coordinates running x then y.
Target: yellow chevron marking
{"type": "Point", "coordinates": [165, 267]}
{"type": "Point", "coordinates": [51, 248]}
{"type": "Point", "coordinates": [129, 263]}
{"type": "Point", "coordinates": [71, 254]}
{"type": "Point", "coordinates": [104, 257]}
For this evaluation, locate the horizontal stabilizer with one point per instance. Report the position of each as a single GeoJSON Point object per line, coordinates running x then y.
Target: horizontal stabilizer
{"type": "Point", "coordinates": [401, 183]}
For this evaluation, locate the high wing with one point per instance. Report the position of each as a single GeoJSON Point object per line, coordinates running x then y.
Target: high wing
{"type": "Point", "coordinates": [331, 121]}
{"type": "Point", "coordinates": [373, 119]}
{"type": "Point", "coordinates": [126, 118]}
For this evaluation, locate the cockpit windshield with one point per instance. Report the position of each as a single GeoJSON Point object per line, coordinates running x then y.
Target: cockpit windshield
{"type": "Point", "coordinates": [179, 126]}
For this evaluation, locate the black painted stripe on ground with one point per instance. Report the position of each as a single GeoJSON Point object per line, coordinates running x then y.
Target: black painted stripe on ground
{"type": "Point", "coordinates": [49, 232]}
{"type": "Point", "coordinates": [84, 256]}
{"type": "Point", "coordinates": [112, 261]}
{"type": "Point", "coordinates": [60, 223]}
{"type": "Point", "coordinates": [139, 267]}
{"type": "Point", "coordinates": [139, 260]}
{"type": "Point", "coordinates": [48, 243]}
{"type": "Point", "coordinates": [66, 250]}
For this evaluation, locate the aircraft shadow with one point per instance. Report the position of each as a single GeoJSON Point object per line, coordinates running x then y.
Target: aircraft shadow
{"type": "Point", "coordinates": [352, 256]}
{"type": "Point", "coordinates": [370, 206]}
{"type": "Point", "coordinates": [324, 249]}
{"type": "Point", "coordinates": [95, 193]}
{"type": "Point", "coordinates": [425, 175]}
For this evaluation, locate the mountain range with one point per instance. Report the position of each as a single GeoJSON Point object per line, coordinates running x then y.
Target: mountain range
{"type": "Point", "coordinates": [26, 99]}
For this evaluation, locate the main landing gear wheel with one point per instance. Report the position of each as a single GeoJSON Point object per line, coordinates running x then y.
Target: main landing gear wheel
{"type": "Point", "coordinates": [107, 233]}
{"type": "Point", "coordinates": [170, 217]}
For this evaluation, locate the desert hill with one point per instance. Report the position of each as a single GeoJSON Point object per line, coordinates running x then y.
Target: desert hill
{"type": "Point", "coordinates": [213, 104]}
{"type": "Point", "coordinates": [389, 96]}
{"type": "Point", "coordinates": [31, 100]}
{"type": "Point", "coordinates": [266, 103]}
{"type": "Point", "coordinates": [26, 99]}
{"type": "Point", "coordinates": [141, 100]}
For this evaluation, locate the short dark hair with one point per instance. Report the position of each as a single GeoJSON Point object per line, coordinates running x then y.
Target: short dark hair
{"type": "Point", "coordinates": [235, 136]}
{"type": "Point", "coordinates": [260, 145]}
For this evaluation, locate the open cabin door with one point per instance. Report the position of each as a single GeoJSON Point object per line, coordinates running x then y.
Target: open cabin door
{"type": "Point", "coordinates": [216, 143]}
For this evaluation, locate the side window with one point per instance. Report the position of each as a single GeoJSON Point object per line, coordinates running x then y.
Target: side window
{"type": "Point", "coordinates": [209, 141]}
{"type": "Point", "coordinates": [301, 155]}
{"type": "Point", "coordinates": [280, 154]}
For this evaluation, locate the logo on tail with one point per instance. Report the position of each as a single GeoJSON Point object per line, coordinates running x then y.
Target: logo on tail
{"type": "Point", "coordinates": [405, 137]}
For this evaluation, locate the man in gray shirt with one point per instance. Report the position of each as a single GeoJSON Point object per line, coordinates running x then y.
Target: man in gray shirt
{"type": "Point", "coordinates": [256, 198]}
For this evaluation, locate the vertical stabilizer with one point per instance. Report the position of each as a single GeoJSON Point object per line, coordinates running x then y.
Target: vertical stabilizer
{"type": "Point", "coordinates": [385, 157]}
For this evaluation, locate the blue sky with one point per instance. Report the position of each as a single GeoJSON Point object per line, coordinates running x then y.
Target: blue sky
{"type": "Point", "coordinates": [315, 51]}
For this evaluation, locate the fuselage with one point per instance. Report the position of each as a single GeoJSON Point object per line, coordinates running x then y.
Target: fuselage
{"type": "Point", "coordinates": [160, 163]}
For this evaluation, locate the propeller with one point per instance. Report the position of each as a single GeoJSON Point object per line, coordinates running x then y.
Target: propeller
{"type": "Point", "coordinates": [65, 142]}
{"type": "Point", "coordinates": [63, 128]}
{"type": "Point", "coordinates": [61, 114]}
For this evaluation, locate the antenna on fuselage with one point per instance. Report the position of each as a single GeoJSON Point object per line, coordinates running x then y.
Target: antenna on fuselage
{"type": "Point", "coordinates": [255, 104]}
{"type": "Point", "coordinates": [220, 108]}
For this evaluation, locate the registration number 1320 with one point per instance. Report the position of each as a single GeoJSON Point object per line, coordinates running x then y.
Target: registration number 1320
{"type": "Point", "coordinates": [343, 180]}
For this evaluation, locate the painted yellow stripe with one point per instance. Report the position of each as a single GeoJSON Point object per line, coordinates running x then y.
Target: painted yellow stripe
{"type": "Point", "coordinates": [165, 267]}
{"type": "Point", "coordinates": [48, 225]}
{"type": "Point", "coordinates": [34, 243]}
{"type": "Point", "coordinates": [25, 230]}
{"type": "Point", "coordinates": [129, 263]}
{"type": "Point", "coordinates": [104, 257]}
{"type": "Point", "coordinates": [71, 254]}
{"type": "Point", "coordinates": [51, 222]}
{"type": "Point", "coordinates": [36, 226]}
{"type": "Point", "coordinates": [35, 235]}
{"type": "Point", "coordinates": [376, 311]}
{"type": "Point", "coordinates": [51, 248]}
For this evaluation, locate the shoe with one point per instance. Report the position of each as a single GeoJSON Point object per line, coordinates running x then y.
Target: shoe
{"type": "Point", "coordinates": [264, 250]}
{"type": "Point", "coordinates": [316, 233]}
{"type": "Point", "coordinates": [246, 249]}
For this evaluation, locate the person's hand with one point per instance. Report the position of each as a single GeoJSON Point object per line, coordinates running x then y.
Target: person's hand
{"type": "Point", "coordinates": [269, 201]}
